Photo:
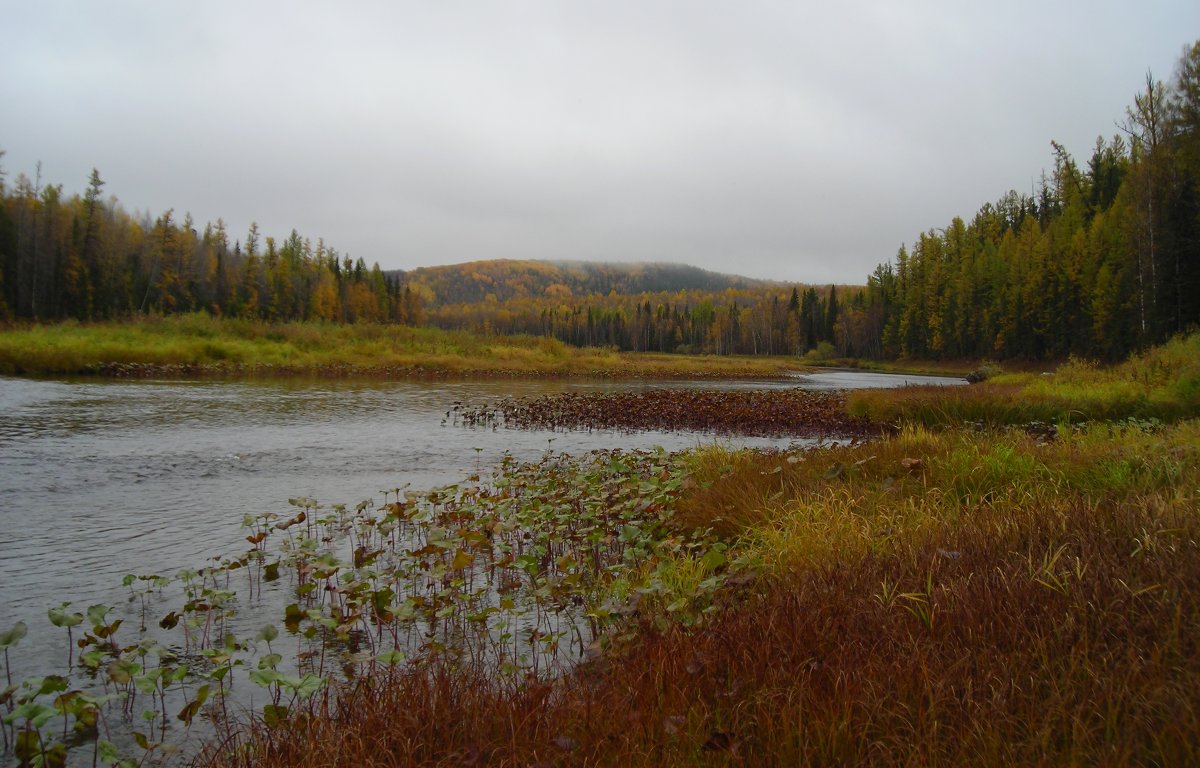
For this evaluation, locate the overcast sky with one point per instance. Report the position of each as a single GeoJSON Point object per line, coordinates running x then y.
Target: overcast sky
{"type": "Point", "coordinates": [784, 140]}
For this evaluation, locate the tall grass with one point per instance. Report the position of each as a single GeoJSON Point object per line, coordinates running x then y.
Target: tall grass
{"type": "Point", "coordinates": [1163, 384]}
{"type": "Point", "coordinates": [198, 344]}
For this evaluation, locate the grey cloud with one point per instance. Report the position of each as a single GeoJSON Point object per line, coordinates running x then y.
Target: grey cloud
{"type": "Point", "coordinates": [790, 140]}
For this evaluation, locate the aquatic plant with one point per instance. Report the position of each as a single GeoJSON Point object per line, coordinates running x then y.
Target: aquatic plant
{"type": "Point", "coordinates": [766, 412]}
{"type": "Point", "coordinates": [518, 573]}
{"type": "Point", "coordinates": [904, 609]}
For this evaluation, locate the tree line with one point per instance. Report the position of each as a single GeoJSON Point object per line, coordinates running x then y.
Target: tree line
{"type": "Point", "coordinates": [506, 279]}
{"type": "Point", "coordinates": [86, 258]}
{"type": "Point", "coordinates": [1100, 260]}
{"type": "Point", "coordinates": [749, 321]}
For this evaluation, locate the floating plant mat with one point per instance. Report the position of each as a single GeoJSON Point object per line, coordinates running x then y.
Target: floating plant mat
{"type": "Point", "coordinates": [768, 412]}
{"type": "Point", "coordinates": [520, 573]}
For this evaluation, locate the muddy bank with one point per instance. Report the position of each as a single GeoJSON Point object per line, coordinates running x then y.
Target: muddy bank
{"type": "Point", "coordinates": [767, 413]}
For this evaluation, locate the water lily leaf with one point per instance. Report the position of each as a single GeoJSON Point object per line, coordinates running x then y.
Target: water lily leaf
{"type": "Point", "coordinates": [270, 661]}
{"type": "Point", "coordinates": [96, 614]}
{"type": "Point", "coordinates": [11, 637]}
{"type": "Point", "coordinates": [264, 677]}
{"type": "Point", "coordinates": [33, 712]}
{"type": "Point", "coordinates": [148, 683]}
{"type": "Point", "coordinates": [216, 657]}
{"type": "Point", "coordinates": [192, 708]}
{"type": "Point", "coordinates": [66, 702]}
{"type": "Point", "coordinates": [49, 684]}
{"type": "Point", "coordinates": [309, 685]}
{"type": "Point", "coordinates": [54, 756]}
{"type": "Point", "coordinates": [107, 631]}
{"type": "Point", "coordinates": [629, 533]}
{"type": "Point", "coordinates": [394, 656]}
{"type": "Point", "coordinates": [29, 749]}
{"type": "Point", "coordinates": [121, 671]}
{"type": "Point", "coordinates": [274, 715]}
{"type": "Point", "coordinates": [292, 614]}
{"type": "Point", "coordinates": [462, 559]}
{"type": "Point", "coordinates": [60, 618]}
{"type": "Point", "coordinates": [107, 752]}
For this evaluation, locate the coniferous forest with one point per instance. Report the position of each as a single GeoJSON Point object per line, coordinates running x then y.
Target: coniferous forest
{"type": "Point", "coordinates": [1102, 259]}
{"type": "Point", "coordinates": [86, 258]}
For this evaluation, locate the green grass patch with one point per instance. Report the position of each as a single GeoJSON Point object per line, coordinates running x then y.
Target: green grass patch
{"type": "Point", "coordinates": [1162, 384]}
{"type": "Point", "coordinates": [198, 344]}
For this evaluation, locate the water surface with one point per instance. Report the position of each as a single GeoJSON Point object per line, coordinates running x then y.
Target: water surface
{"type": "Point", "coordinates": [100, 479]}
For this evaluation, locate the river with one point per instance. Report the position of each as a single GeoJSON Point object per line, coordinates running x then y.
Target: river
{"type": "Point", "coordinates": [100, 479]}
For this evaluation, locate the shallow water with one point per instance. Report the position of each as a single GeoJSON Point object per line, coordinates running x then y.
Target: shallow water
{"type": "Point", "coordinates": [100, 479]}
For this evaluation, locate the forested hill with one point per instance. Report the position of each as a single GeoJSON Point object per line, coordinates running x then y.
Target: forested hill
{"type": "Point", "coordinates": [1102, 260]}
{"type": "Point", "coordinates": [507, 279]}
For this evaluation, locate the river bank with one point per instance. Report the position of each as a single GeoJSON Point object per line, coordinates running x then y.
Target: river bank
{"type": "Point", "coordinates": [199, 346]}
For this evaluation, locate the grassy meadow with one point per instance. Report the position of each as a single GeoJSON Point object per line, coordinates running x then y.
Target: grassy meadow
{"type": "Point", "coordinates": [942, 596]}
{"type": "Point", "coordinates": [1161, 384]}
{"type": "Point", "coordinates": [200, 345]}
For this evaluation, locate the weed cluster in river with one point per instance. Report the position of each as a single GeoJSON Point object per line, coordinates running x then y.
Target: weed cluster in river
{"type": "Point", "coordinates": [930, 598]}
{"type": "Point", "coordinates": [773, 412]}
{"type": "Point", "coordinates": [516, 576]}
